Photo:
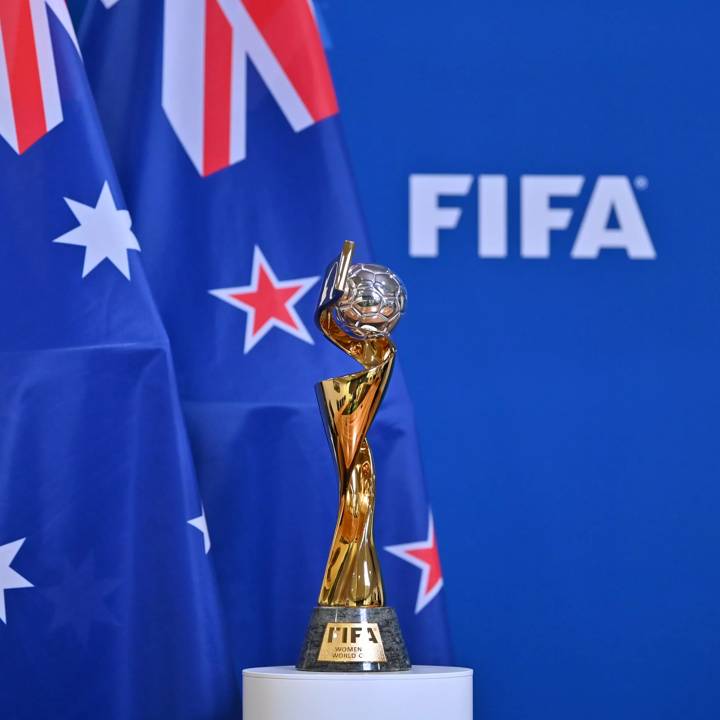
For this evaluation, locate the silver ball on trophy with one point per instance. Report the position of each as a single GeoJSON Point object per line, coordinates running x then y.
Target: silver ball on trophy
{"type": "Point", "coordinates": [373, 301]}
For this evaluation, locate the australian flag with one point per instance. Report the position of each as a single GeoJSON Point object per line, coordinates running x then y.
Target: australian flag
{"type": "Point", "coordinates": [223, 122]}
{"type": "Point", "coordinates": [108, 602]}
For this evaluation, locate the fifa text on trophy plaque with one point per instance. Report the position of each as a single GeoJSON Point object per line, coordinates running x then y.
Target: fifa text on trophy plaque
{"type": "Point", "coordinates": [351, 629]}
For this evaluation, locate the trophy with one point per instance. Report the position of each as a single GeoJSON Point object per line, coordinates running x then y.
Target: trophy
{"type": "Point", "coordinates": [351, 629]}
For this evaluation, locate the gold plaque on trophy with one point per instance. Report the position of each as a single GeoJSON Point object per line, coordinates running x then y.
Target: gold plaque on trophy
{"type": "Point", "coordinates": [352, 642]}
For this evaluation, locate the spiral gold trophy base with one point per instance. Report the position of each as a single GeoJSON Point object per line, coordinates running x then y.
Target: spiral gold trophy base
{"type": "Point", "coordinates": [352, 629]}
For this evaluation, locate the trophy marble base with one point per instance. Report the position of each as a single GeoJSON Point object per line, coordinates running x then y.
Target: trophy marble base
{"type": "Point", "coordinates": [344, 639]}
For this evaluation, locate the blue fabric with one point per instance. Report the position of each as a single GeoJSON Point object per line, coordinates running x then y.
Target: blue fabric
{"type": "Point", "coordinates": [266, 473]}
{"type": "Point", "coordinates": [123, 617]}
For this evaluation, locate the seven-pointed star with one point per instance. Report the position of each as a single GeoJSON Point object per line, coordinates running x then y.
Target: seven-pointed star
{"type": "Point", "coordinates": [200, 522]}
{"type": "Point", "coordinates": [104, 232]}
{"type": "Point", "coordinates": [423, 554]}
{"type": "Point", "coordinates": [9, 578]}
{"type": "Point", "coordinates": [81, 599]}
{"type": "Point", "coordinates": [268, 302]}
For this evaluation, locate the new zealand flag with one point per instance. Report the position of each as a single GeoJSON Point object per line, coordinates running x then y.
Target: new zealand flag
{"type": "Point", "coordinates": [108, 601]}
{"type": "Point", "coordinates": [223, 123]}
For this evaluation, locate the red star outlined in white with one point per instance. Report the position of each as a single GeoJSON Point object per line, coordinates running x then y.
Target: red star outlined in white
{"type": "Point", "coordinates": [268, 302]}
{"type": "Point", "coordinates": [424, 555]}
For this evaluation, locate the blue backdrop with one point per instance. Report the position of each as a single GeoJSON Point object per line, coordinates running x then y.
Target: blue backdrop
{"type": "Point", "coordinates": [567, 407]}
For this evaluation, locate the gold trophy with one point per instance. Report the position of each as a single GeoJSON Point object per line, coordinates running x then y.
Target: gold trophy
{"type": "Point", "coordinates": [351, 629]}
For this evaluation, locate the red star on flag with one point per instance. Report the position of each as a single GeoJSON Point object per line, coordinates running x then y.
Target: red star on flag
{"type": "Point", "coordinates": [268, 302]}
{"type": "Point", "coordinates": [423, 554]}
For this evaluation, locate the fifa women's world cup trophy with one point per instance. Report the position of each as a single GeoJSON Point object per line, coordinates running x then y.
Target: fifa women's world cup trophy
{"type": "Point", "coordinates": [351, 629]}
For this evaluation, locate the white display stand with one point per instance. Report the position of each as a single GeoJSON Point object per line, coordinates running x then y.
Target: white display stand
{"type": "Point", "coordinates": [424, 693]}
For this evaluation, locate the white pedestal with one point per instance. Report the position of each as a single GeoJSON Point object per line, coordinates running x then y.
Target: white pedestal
{"type": "Point", "coordinates": [423, 693]}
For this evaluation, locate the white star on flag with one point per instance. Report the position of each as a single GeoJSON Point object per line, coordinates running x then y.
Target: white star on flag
{"type": "Point", "coordinates": [104, 232]}
{"type": "Point", "coordinates": [200, 522]}
{"type": "Point", "coordinates": [268, 302]}
{"type": "Point", "coordinates": [9, 578]}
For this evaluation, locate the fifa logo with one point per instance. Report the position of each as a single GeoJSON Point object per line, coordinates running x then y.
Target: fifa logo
{"type": "Point", "coordinates": [352, 642]}
{"type": "Point", "coordinates": [612, 218]}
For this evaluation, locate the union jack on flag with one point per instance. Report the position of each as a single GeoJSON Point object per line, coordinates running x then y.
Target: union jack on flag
{"type": "Point", "coordinates": [206, 47]}
{"type": "Point", "coordinates": [29, 94]}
